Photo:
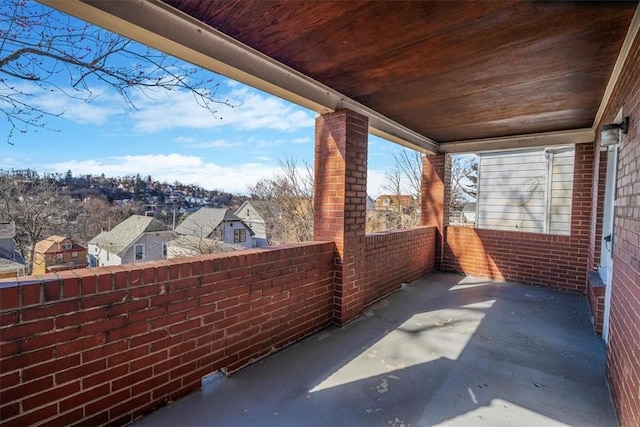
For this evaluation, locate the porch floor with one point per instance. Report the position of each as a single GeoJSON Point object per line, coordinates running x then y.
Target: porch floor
{"type": "Point", "coordinates": [446, 349]}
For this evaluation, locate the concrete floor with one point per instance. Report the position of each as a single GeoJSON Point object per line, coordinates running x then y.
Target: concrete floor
{"type": "Point", "coordinates": [444, 350]}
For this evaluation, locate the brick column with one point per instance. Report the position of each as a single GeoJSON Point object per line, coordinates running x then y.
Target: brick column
{"type": "Point", "coordinates": [340, 193]}
{"type": "Point", "coordinates": [433, 199]}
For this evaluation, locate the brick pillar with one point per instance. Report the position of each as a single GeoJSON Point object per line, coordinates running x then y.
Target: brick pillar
{"type": "Point", "coordinates": [433, 200]}
{"type": "Point", "coordinates": [340, 193]}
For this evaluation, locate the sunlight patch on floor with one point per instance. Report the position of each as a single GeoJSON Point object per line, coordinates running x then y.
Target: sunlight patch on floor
{"type": "Point", "coordinates": [424, 338]}
{"type": "Point", "coordinates": [501, 413]}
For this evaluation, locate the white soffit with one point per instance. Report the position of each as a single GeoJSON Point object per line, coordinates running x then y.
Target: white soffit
{"type": "Point", "coordinates": [547, 139]}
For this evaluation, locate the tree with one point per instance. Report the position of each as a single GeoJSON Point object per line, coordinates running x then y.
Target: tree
{"type": "Point", "coordinates": [409, 163]}
{"type": "Point", "coordinates": [96, 215]}
{"type": "Point", "coordinates": [68, 178]}
{"type": "Point", "coordinates": [30, 204]}
{"type": "Point", "coordinates": [42, 49]}
{"type": "Point", "coordinates": [393, 218]}
{"type": "Point", "coordinates": [464, 180]}
{"type": "Point", "coordinates": [405, 178]}
{"type": "Point", "coordinates": [291, 192]}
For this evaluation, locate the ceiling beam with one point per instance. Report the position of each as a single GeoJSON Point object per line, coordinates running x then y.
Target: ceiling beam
{"type": "Point", "coordinates": [547, 139]}
{"type": "Point", "coordinates": [164, 28]}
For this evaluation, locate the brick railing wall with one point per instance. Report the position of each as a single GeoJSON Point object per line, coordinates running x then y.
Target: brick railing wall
{"type": "Point", "coordinates": [396, 257]}
{"type": "Point", "coordinates": [533, 258]}
{"type": "Point", "coordinates": [529, 258]}
{"type": "Point", "coordinates": [105, 345]}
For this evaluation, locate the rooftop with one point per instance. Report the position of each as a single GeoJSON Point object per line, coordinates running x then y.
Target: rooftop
{"type": "Point", "coordinates": [50, 244]}
{"type": "Point", "coordinates": [204, 221]}
{"type": "Point", "coordinates": [7, 265]}
{"type": "Point", "coordinates": [128, 231]}
{"type": "Point", "coordinates": [446, 349]}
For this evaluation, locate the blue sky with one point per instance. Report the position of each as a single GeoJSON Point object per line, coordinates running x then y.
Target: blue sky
{"type": "Point", "coordinates": [170, 137]}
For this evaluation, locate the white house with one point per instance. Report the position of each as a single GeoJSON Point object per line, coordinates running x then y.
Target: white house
{"type": "Point", "coordinates": [136, 239]}
{"type": "Point", "coordinates": [219, 225]}
{"type": "Point", "coordinates": [186, 246]}
{"type": "Point", "coordinates": [526, 190]}
{"type": "Point", "coordinates": [259, 216]}
{"type": "Point", "coordinates": [11, 262]}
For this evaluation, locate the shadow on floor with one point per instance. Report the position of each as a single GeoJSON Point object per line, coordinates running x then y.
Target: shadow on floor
{"type": "Point", "coordinates": [445, 350]}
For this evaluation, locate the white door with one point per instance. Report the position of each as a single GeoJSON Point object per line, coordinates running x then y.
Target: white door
{"type": "Point", "coordinates": [606, 254]}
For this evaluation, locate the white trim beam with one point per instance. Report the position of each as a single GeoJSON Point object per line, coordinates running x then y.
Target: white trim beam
{"type": "Point", "coordinates": [617, 68]}
{"type": "Point", "coordinates": [164, 28]}
{"type": "Point", "coordinates": [547, 139]}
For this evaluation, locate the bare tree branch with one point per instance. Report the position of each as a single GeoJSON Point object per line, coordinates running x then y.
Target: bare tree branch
{"type": "Point", "coordinates": [405, 179]}
{"type": "Point", "coordinates": [291, 192]}
{"type": "Point", "coordinates": [464, 180]}
{"type": "Point", "coordinates": [55, 51]}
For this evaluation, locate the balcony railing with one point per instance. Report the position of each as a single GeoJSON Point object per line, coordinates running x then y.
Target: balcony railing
{"type": "Point", "coordinates": [105, 345]}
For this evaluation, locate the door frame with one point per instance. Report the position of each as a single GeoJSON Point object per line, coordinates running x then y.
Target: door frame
{"type": "Point", "coordinates": [608, 234]}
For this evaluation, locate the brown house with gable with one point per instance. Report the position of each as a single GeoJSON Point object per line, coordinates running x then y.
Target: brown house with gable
{"type": "Point", "coordinates": [57, 253]}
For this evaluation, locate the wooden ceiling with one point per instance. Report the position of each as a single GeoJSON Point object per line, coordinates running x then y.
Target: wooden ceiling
{"type": "Point", "coordinates": [449, 70]}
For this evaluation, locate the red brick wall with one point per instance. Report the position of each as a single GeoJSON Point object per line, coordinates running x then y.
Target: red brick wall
{"type": "Point", "coordinates": [107, 344]}
{"type": "Point", "coordinates": [433, 199]}
{"type": "Point", "coordinates": [539, 259]}
{"type": "Point", "coordinates": [623, 355]}
{"type": "Point", "coordinates": [340, 193]}
{"type": "Point", "coordinates": [595, 294]}
{"type": "Point", "coordinates": [396, 257]}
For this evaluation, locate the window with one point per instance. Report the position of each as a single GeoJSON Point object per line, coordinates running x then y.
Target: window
{"type": "Point", "coordinates": [239, 235]}
{"type": "Point", "coordinates": [59, 258]}
{"type": "Point", "coordinates": [526, 190]}
{"type": "Point", "coordinates": [74, 254]}
{"type": "Point", "coordinates": [139, 252]}
{"type": "Point", "coordinates": [247, 212]}
{"type": "Point", "coordinates": [164, 250]}
{"type": "Point", "coordinates": [66, 246]}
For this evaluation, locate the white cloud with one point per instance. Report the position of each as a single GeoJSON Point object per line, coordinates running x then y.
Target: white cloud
{"type": "Point", "coordinates": [303, 140]}
{"type": "Point", "coordinates": [261, 143]}
{"type": "Point", "coordinates": [218, 143]}
{"type": "Point", "coordinates": [172, 167]}
{"type": "Point", "coordinates": [190, 170]}
{"type": "Point", "coordinates": [184, 140]}
{"type": "Point", "coordinates": [254, 110]}
{"type": "Point", "coordinates": [103, 106]}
